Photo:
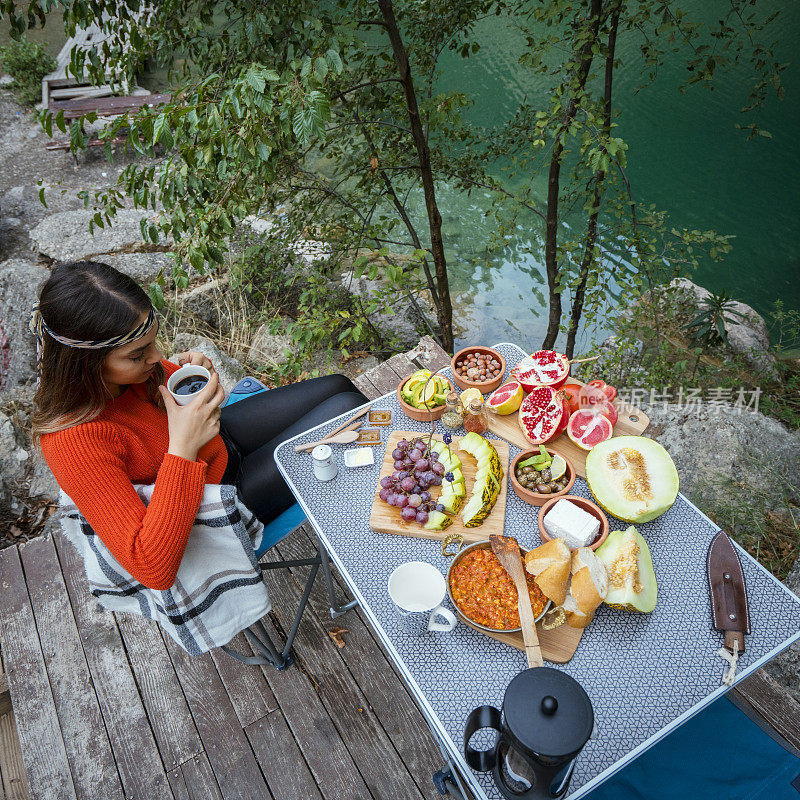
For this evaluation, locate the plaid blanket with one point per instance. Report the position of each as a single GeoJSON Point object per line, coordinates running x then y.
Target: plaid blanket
{"type": "Point", "coordinates": [218, 590]}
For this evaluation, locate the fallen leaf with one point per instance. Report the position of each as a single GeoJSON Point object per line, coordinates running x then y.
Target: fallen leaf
{"type": "Point", "coordinates": [336, 635]}
{"type": "Point", "coordinates": [15, 531]}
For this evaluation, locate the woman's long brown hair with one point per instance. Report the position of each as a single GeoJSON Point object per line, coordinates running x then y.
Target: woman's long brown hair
{"type": "Point", "coordinates": [84, 300]}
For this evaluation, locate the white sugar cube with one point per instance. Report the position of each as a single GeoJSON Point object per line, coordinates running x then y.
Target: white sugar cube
{"type": "Point", "coordinates": [577, 527]}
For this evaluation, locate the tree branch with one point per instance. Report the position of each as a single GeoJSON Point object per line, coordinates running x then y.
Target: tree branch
{"type": "Point", "coordinates": [599, 189]}
{"type": "Point", "coordinates": [585, 57]}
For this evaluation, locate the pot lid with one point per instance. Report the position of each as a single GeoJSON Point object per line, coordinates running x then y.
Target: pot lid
{"type": "Point", "coordinates": [548, 712]}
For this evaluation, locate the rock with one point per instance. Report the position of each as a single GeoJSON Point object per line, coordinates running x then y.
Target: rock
{"type": "Point", "coordinates": [229, 369]}
{"type": "Point", "coordinates": [13, 460]}
{"type": "Point", "coordinates": [703, 443]}
{"type": "Point", "coordinates": [65, 236]}
{"type": "Point", "coordinates": [204, 300]}
{"type": "Point", "coordinates": [748, 337]}
{"type": "Point", "coordinates": [42, 481]}
{"type": "Point", "coordinates": [20, 282]}
{"type": "Point", "coordinates": [400, 318]}
{"type": "Point", "coordinates": [6, 80]}
{"type": "Point", "coordinates": [271, 348]}
{"type": "Point", "coordinates": [142, 267]}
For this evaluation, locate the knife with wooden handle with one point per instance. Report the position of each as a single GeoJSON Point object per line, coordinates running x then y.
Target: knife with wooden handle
{"type": "Point", "coordinates": [726, 586]}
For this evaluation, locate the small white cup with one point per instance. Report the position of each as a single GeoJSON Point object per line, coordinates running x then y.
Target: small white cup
{"type": "Point", "coordinates": [185, 372]}
{"type": "Point", "coordinates": [417, 590]}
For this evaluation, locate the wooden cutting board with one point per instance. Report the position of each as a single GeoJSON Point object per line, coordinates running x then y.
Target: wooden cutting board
{"type": "Point", "coordinates": [632, 422]}
{"type": "Point", "coordinates": [386, 519]}
{"type": "Point", "coordinates": [558, 644]}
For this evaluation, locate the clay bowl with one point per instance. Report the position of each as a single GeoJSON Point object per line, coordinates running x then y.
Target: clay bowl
{"type": "Point", "coordinates": [485, 386]}
{"type": "Point", "coordinates": [420, 414]}
{"type": "Point", "coordinates": [463, 617]}
{"type": "Point", "coordinates": [534, 498]}
{"type": "Point", "coordinates": [586, 505]}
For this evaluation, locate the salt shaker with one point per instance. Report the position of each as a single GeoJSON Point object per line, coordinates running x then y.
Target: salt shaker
{"type": "Point", "coordinates": [324, 466]}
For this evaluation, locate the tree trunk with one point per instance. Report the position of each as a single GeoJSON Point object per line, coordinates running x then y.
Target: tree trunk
{"type": "Point", "coordinates": [445, 309]}
{"type": "Point", "coordinates": [591, 230]}
{"type": "Point", "coordinates": [553, 180]}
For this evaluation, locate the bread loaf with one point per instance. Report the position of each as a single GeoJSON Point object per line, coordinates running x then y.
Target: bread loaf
{"type": "Point", "coordinates": [550, 565]}
{"type": "Point", "coordinates": [587, 589]}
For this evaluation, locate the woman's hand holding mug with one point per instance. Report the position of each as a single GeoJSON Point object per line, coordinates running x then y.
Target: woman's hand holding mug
{"type": "Point", "coordinates": [194, 358]}
{"type": "Point", "coordinates": [195, 424]}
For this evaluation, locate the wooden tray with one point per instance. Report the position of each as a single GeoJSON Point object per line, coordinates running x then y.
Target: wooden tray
{"type": "Point", "coordinates": [632, 422]}
{"type": "Point", "coordinates": [558, 644]}
{"type": "Point", "coordinates": [386, 519]}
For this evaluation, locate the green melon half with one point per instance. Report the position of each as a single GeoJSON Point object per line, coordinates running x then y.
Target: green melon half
{"type": "Point", "coordinates": [631, 578]}
{"type": "Point", "coordinates": [632, 478]}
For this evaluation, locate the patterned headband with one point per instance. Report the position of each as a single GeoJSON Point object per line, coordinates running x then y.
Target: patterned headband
{"type": "Point", "coordinates": [38, 327]}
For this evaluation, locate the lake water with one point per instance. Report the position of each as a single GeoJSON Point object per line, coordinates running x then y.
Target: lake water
{"type": "Point", "coordinates": [685, 156]}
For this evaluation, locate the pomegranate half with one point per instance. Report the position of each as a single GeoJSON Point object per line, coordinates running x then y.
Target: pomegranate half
{"type": "Point", "coordinates": [543, 415]}
{"type": "Point", "coordinates": [542, 368]}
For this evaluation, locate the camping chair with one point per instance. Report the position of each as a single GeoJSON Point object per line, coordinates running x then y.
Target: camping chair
{"type": "Point", "coordinates": [274, 532]}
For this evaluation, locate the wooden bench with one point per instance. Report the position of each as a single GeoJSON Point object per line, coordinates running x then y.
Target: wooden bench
{"type": "Point", "coordinates": [107, 106]}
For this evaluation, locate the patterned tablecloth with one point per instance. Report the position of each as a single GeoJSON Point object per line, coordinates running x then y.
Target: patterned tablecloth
{"type": "Point", "coordinates": [645, 673]}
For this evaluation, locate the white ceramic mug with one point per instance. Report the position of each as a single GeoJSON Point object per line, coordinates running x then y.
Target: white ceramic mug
{"type": "Point", "coordinates": [417, 590]}
{"type": "Point", "coordinates": [186, 372]}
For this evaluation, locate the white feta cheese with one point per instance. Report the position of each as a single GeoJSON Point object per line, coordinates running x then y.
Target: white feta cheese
{"type": "Point", "coordinates": [578, 528]}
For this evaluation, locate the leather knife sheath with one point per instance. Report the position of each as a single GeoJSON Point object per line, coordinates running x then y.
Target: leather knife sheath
{"type": "Point", "coordinates": [728, 591]}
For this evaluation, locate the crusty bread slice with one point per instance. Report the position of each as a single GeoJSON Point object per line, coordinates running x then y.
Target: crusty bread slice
{"type": "Point", "coordinates": [540, 558]}
{"type": "Point", "coordinates": [550, 565]}
{"type": "Point", "coordinates": [589, 584]}
{"type": "Point", "coordinates": [575, 617]}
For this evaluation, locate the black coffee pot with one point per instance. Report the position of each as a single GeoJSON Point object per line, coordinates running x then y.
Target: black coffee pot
{"type": "Point", "coordinates": [547, 718]}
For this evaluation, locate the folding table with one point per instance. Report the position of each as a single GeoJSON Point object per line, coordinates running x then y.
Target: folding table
{"type": "Point", "coordinates": [646, 674]}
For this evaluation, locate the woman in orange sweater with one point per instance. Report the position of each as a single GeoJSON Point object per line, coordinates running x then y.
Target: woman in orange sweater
{"type": "Point", "coordinates": [106, 421]}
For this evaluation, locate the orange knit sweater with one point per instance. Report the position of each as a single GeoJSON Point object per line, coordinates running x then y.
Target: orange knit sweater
{"type": "Point", "coordinates": [97, 463]}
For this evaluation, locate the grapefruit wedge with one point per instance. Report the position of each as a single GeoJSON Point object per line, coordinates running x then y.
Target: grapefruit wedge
{"type": "Point", "coordinates": [507, 398]}
{"type": "Point", "coordinates": [587, 429]}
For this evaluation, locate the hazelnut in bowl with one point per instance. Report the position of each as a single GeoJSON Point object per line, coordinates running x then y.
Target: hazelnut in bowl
{"type": "Point", "coordinates": [580, 522]}
{"type": "Point", "coordinates": [541, 475]}
{"type": "Point", "coordinates": [478, 367]}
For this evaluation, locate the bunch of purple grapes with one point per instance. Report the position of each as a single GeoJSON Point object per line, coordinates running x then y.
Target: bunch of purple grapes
{"type": "Point", "coordinates": [416, 469]}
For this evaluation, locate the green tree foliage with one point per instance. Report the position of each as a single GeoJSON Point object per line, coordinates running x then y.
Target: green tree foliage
{"type": "Point", "coordinates": [328, 117]}
{"type": "Point", "coordinates": [27, 63]}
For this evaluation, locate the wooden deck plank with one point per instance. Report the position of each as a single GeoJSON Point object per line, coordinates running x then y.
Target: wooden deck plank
{"type": "Point", "coordinates": [224, 742]}
{"type": "Point", "coordinates": [132, 741]}
{"type": "Point", "coordinates": [194, 780]}
{"type": "Point", "coordinates": [401, 365]}
{"type": "Point", "coordinates": [43, 751]}
{"type": "Point", "coordinates": [94, 772]}
{"type": "Point", "coordinates": [773, 703]}
{"type": "Point", "coordinates": [429, 354]}
{"type": "Point", "coordinates": [365, 386]}
{"type": "Point", "coordinates": [385, 694]}
{"type": "Point", "coordinates": [246, 685]}
{"type": "Point", "coordinates": [281, 760]}
{"type": "Point", "coordinates": [170, 719]}
{"type": "Point", "coordinates": [383, 378]}
{"type": "Point", "coordinates": [341, 695]}
{"type": "Point", "coordinates": [331, 765]}
{"type": "Point", "coordinates": [15, 784]}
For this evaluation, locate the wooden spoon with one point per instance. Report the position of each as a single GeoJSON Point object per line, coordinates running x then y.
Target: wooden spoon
{"type": "Point", "coordinates": [345, 437]}
{"type": "Point", "coordinates": [506, 549]}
